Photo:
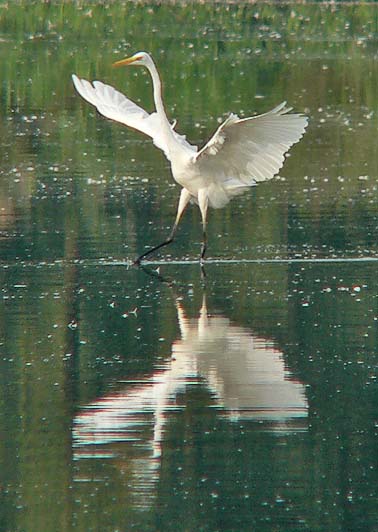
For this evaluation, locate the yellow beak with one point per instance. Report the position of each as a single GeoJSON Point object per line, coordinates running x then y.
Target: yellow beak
{"type": "Point", "coordinates": [125, 62]}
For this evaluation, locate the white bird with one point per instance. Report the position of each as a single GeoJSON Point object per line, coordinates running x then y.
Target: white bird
{"type": "Point", "coordinates": [241, 153]}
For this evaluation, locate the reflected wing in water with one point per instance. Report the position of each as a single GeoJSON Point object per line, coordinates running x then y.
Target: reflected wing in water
{"type": "Point", "coordinates": [246, 375]}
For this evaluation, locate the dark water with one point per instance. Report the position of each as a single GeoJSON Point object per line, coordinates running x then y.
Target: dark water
{"type": "Point", "coordinates": [160, 400]}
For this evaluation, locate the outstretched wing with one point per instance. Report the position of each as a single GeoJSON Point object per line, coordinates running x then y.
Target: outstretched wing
{"type": "Point", "coordinates": [116, 106]}
{"type": "Point", "coordinates": [244, 152]}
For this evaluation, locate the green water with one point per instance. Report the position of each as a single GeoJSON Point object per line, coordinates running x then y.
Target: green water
{"type": "Point", "coordinates": [160, 400]}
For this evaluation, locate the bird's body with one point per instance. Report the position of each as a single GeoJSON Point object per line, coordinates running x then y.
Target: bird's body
{"type": "Point", "coordinates": [241, 153]}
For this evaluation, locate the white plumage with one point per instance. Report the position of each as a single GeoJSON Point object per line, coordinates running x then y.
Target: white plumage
{"type": "Point", "coordinates": [241, 153]}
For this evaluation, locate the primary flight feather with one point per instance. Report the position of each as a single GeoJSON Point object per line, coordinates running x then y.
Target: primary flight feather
{"type": "Point", "coordinates": [241, 153]}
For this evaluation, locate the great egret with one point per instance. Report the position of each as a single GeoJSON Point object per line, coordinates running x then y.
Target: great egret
{"type": "Point", "coordinates": [241, 153]}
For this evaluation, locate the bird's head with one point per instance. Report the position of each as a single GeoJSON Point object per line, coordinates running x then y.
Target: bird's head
{"type": "Point", "coordinates": [138, 59]}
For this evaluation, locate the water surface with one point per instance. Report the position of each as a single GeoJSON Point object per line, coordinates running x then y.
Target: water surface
{"type": "Point", "coordinates": [160, 399]}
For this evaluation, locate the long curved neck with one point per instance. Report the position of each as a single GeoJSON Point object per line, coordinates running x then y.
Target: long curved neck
{"type": "Point", "coordinates": [157, 91]}
{"type": "Point", "coordinates": [166, 127]}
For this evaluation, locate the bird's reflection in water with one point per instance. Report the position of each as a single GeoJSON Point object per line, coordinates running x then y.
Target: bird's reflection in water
{"type": "Point", "coordinates": [245, 374]}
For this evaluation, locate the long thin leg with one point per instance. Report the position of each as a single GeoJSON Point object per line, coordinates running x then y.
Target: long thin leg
{"type": "Point", "coordinates": [183, 202]}
{"type": "Point", "coordinates": [203, 202]}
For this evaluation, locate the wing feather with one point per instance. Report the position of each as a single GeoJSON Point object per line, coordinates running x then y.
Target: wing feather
{"type": "Point", "coordinates": [114, 105]}
{"type": "Point", "coordinates": [246, 151]}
